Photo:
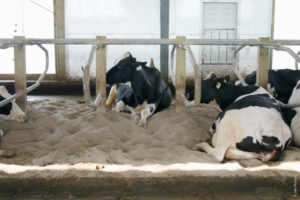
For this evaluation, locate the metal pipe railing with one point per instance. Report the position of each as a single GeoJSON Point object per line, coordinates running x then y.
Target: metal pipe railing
{"type": "Point", "coordinates": [288, 50]}
{"type": "Point", "coordinates": [86, 80]}
{"type": "Point", "coordinates": [235, 66]}
{"type": "Point", "coordinates": [197, 79]}
{"type": "Point", "coordinates": [296, 62]}
{"type": "Point", "coordinates": [86, 76]}
{"type": "Point", "coordinates": [95, 104]}
{"type": "Point", "coordinates": [172, 65]}
{"type": "Point", "coordinates": [252, 42]}
{"type": "Point", "coordinates": [197, 96]}
{"type": "Point", "coordinates": [37, 84]}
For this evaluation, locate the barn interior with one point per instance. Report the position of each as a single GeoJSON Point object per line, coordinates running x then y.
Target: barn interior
{"type": "Point", "coordinates": [69, 149]}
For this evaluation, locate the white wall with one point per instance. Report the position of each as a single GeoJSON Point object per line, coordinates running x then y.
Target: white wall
{"type": "Point", "coordinates": [141, 19]}
{"type": "Point", "coordinates": [286, 27]}
{"type": "Point", "coordinates": [113, 19]}
{"type": "Point", "coordinates": [24, 18]}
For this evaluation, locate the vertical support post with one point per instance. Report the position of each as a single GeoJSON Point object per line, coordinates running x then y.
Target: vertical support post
{"type": "Point", "coordinates": [164, 34]}
{"type": "Point", "coordinates": [101, 74]}
{"type": "Point", "coordinates": [180, 74]}
{"type": "Point", "coordinates": [272, 35]}
{"type": "Point", "coordinates": [20, 74]}
{"type": "Point", "coordinates": [262, 64]}
{"type": "Point", "coordinates": [59, 32]}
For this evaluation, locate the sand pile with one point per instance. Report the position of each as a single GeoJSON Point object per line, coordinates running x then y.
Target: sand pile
{"type": "Point", "coordinates": [73, 134]}
{"type": "Point", "coordinates": [60, 132]}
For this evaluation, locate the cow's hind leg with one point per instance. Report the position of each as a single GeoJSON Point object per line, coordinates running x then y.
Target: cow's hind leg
{"type": "Point", "coordinates": [236, 154]}
{"type": "Point", "coordinates": [147, 112]}
{"type": "Point", "coordinates": [217, 152]}
{"type": "Point", "coordinates": [119, 106]}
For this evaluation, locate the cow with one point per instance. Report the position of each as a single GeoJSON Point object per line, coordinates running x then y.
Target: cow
{"type": "Point", "coordinates": [10, 111]}
{"type": "Point", "coordinates": [250, 125]}
{"type": "Point", "coordinates": [280, 82]}
{"type": "Point", "coordinates": [293, 116]}
{"type": "Point", "coordinates": [148, 92]}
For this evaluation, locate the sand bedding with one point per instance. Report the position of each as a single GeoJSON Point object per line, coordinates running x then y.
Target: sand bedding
{"type": "Point", "coordinates": [68, 135]}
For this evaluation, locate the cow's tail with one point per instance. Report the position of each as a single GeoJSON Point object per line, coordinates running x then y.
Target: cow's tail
{"type": "Point", "coordinates": [111, 100]}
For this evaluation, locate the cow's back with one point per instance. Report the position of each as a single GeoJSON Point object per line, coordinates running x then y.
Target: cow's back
{"type": "Point", "coordinates": [255, 122]}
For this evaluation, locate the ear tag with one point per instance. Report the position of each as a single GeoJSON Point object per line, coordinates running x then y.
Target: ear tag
{"type": "Point", "coordinates": [218, 85]}
{"type": "Point", "coordinates": [139, 68]}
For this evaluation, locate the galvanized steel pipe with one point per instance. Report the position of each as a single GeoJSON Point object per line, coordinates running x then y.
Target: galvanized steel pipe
{"type": "Point", "coordinates": [10, 99]}
{"type": "Point", "coordinates": [86, 76]}
{"type": "Point", "coordinates": [37, 84]}
{"type": "Point", "coordinates": [253, 42]}
{"type": "Point", "coordinates": [197, 96]}
{"type": "Point", "coordinates": [296, 62]}
{"type": "Point", "coordinates": [172, 65]}
{"type": "Point", "coordinates": [235, 66]}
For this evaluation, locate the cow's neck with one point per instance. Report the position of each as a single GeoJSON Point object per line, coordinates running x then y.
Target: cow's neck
{"type": "Point", "coordinates": [227, 93]}
{"type": "Point", "coordinates": [140, 89]}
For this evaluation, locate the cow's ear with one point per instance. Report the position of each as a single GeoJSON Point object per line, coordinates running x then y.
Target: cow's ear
{"type": "Point", "coordinates": [143, 63]}
{"type": "Point", "coordinates": [213, 75]}
{"type": "Point", "coordinates": [224, 79]}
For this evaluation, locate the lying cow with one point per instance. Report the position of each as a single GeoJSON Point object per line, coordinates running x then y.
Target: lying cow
{"type": "Point", "coordinates": [10, 111]}
{"type": "Point", "coordinates": [148, 92]}
{"type": "Point", "coordinates": [280, 82]}
{"type": "Point", "coordinates": [293, 116]}
{"type": "Point", "coordinates": [250, 125]}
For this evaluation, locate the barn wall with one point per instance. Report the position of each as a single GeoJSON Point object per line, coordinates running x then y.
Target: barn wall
{"type": "Point", "coordinates": [141, 19]}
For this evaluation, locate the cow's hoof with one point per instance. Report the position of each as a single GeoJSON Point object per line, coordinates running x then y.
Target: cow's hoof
{"type": "Point", "coordinates": [116, 109]}
{"type": "Point", "coordinates": [142, 124]}
{"type": "Point", "coordinates": [197, 147]}
{"type": "Point", "coordinates": [6, 154]}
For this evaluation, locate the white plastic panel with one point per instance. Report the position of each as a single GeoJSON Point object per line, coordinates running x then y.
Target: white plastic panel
{"type": "Point", "coordinates": [286, 27]}
{"type": "Point", "coordinates": [113, 19]}
{"type": "Point", "coordinates": [25, 18]}
{"type": "Point", "coordinates": [11, 25]}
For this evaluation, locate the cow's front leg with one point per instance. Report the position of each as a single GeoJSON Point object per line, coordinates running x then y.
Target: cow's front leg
{"type": "Point", "coordinates": [217, 152]}
{"type": "Point", "coordinates": [111, 100]}
{"type": "Point", "coordinates": [129, 109]}
{"type": "Point", "coordinates": [6, 153]}
{"type": "Point", "coordinates": [119, 106]}
{"type": "Point", "coordinates": [147, 112]}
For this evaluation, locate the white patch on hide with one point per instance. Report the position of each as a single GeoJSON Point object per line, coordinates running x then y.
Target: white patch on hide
{"type": "Point", "coordinates": [139, 68]}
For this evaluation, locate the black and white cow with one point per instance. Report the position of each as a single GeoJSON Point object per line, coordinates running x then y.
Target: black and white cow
{"type": "Point", "coordinates": [148, 92]}
{"type": "Point", "coordinates": [10, 111]}
{"type": "Point", "coordinates": [250, 126]}
{"type": "Point", "coordinates": [280, 83]}
{"type": "Point", "coordinates": [293, 116]}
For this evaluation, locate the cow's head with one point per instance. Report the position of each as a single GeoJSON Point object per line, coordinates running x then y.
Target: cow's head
{"type": "Point", "coordinates": [295, 97]}
{"type": "Point", "coordinates": [123, 69]}
{"type": "Point", "coordinates": [209, 86]}
{"type": "Point", "coordinates": [10, 111]}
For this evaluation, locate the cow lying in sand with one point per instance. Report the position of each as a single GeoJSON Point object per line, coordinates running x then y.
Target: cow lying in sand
{"type": "Point", "coordinates": [250, 126]}
{"type": "Point", "coordinates": [10, 111]}
{"type": "Point", "coordinates": [280, 82]}
{"type": "Point", "coordinates": [148, 92]}
{"type": "Point", "coordinates": [293, 116]}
